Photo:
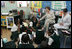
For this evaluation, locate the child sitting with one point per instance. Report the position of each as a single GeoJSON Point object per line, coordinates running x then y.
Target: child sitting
{"type": "Point", "coordinates": [11, 44]}
{"type": "Point", "coordinates": [39, 33]}
{"type": "Point", "coordinates": [15, 30]}
{"type": "Point", "coordinates": [53, 38]}
{"type": "Point", "coordinates": [25, 42]}
{"type": "Point", "coordinates": [34, 22]}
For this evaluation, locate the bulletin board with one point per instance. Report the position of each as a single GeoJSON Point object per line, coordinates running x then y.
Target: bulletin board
{"type": "Point", "coordinates": [58, 5]}
{"type": "Point", "coordinates": [36, 4]}
{"type": "Point", "coordinates": [68, 5]}
{"type": "Point", "coordinates": [46, 3]}
{"type": "Point", "coordinates": [3, 21]}
{"type": "Point", "coordinates": [10, 22]}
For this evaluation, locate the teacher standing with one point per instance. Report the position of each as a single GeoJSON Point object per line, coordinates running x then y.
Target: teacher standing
{"type": "Point", "coordinates": [49, 18]}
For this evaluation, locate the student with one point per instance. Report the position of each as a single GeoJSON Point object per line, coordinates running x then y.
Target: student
{"type": "Point", "coordinates": [15, 30]}
{"type": "Point", "coordinates": [39, 33]}
{"type": "Point", "coordinates": [30, 23]}
{"type": "Point", "coordinates": [11, 44]}
{"type": "Point", "coordinates": [53, 38]}
{"type": "Point", "coordinates": [27, 30]}
{"type": "Point", "coordinates": [34, 22]}
{"type": "Point", "coordinates": [25, 42]}
{"type": "Point", "coordinates": [15, 27]}
{"type": "Point", "coordinates": [65, 22]}
{"type": "Point", "coordinates": [22, 14]}
{"type": "Point", "coordinates": [49, 18]}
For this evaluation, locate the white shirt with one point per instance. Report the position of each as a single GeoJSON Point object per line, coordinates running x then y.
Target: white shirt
{"type": "Point", "coordinates": [66, 20]}
{"type": "Point", "coordinates": [31, 24]}
{"type": "Point", "coordinates": [14, 28]}
{"type": "Point", "coordinates": [50, 41]}
{"type": "Point", "coordinates": [30, 36]}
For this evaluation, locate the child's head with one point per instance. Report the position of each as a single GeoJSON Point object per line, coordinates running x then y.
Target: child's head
{"type": "Point", "coordinates": [47, 9]}
{"type": "Point", "coordinates": [25, 38]}
{"type": "Point", "coordinates": [34, 18]}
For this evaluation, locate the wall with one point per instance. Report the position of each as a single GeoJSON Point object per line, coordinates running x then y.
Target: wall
{"type": "Point", "coordinates": [9, 6]}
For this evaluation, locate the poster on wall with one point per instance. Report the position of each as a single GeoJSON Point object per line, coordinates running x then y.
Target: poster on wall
{"type": "Point", "coordinates": [22, 3]}
{"type": "Point", "coordinates": [10, 22]}
{"type": "Point", "coordinates": [58, 5]}
{"type": "Point", "coordinates": [36, 4]}
{"type": "Point", "coordinates": [3, 20]}
{"type": "Point", "coordinates": [46, 3]}
{"type": "Point", "coordinates": [2, 4]}
{"type": "Point", "coordinates": [68, 5]}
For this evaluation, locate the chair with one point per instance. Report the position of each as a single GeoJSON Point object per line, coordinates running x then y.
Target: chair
{"type": "Point", "coordinates": [66, 35]}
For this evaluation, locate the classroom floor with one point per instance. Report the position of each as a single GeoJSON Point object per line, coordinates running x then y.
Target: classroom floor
{"type": "Point", "coordinates": [6, 33]}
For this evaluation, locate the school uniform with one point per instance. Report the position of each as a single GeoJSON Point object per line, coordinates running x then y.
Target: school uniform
{"type": "Point", "coordinates": [14, 35]}
{"type": "Point", "coordinates": [54, 41]}
{"type": "Point", "coordinates": [14, 28]}
{"type": "Point", "coordinates": [10, 44]}
{"type": "Point", "coordinates": [39, 35]}
{"type": "Point", "coordinates": [25, 45]}
{"type": "Point", "coordinates": [14, 32]}
{"type": "Point", "coordinates": [34, 24]}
